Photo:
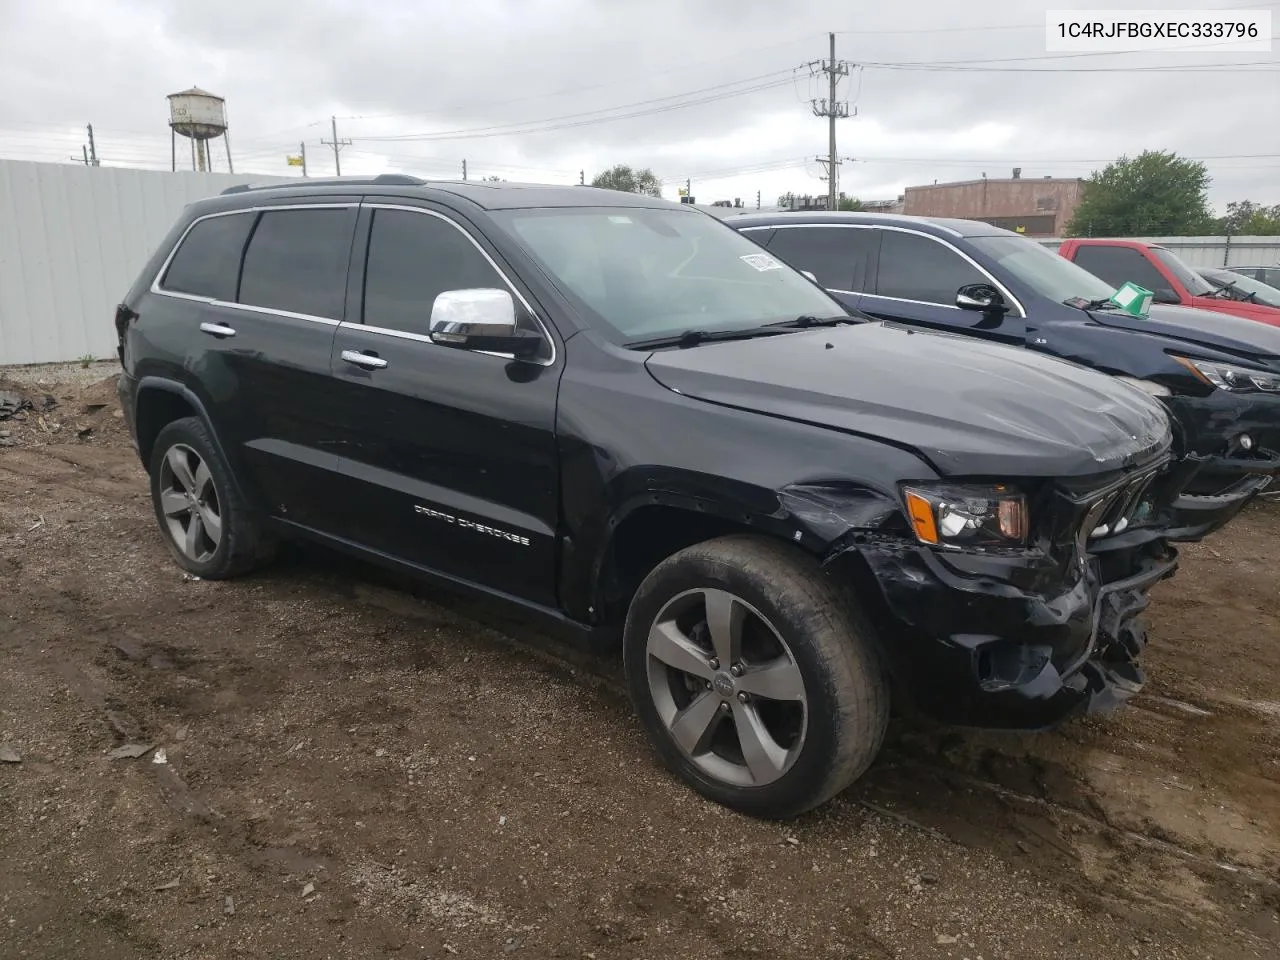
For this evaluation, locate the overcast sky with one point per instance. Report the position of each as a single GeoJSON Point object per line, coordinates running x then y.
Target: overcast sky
{"type": "Point", "coordinates": [484, 80]}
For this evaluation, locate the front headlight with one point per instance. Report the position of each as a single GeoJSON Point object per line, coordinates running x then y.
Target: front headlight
{"type": "Point", "coordinates": [967, 516]}
{"type": "Point", "coordinates": [1232, 377]}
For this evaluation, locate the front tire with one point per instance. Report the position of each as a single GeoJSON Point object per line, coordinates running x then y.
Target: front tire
{"type": "Point", "coordinates": [207, 526]}
{"type": "Point", "coordinates": [755, 679]}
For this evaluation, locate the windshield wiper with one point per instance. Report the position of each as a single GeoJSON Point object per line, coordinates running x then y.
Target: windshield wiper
{"type": "Point", "coordinates": [1239, 294]}
{"type": "Point", "coordinates": [805, 320]}
{"type": "Point", "coordinates": [691, 338]}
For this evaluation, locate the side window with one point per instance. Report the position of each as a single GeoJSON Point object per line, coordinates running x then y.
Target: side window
{"type": "Point", "coordinates": [915, 267]}
{"type": "Point", "coordinates": [1121, 265]}
{"type": "Point", "coordinates": [297, 261]}
{"type": "Point", "coordinates": [207, 263]}
{"type": "Point", "coordinates": [414, 257]}
{"type": "Point", "coordinates": [838, 256]}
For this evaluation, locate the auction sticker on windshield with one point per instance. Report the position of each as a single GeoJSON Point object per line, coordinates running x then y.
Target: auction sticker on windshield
{"type": "Point", "coordinates": [761, 261]}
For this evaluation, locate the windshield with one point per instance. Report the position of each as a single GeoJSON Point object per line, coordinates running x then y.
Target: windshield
{"type": "Point", "coordinates": [1263, 293]}
{"type": "Point", "coordinates": [1044, 271]}
{"type": "Point", "coordinates": [1196, 285]}
{"type": "Point", "coordinates": [638, 273]}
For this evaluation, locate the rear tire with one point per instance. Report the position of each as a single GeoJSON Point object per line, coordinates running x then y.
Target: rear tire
{"type": "Point", "coordinates": [207, 526]}
{"type": "Point", "coordinates": [797, 713]}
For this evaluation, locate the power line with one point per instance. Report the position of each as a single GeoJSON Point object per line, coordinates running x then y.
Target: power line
{"type": "Point", "coordinates": [660, 105]}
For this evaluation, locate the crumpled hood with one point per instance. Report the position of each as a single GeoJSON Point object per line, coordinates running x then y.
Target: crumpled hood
{"type": "Point", "coordinates": [969, 408]}
{"type": "Point", "coordinates": [1220, 331]}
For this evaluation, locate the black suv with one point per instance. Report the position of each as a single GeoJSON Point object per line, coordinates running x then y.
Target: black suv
{"type": "Point", "coordinates": [625, 419]}
{"type": "Point", "coordinates": [1218, 374]}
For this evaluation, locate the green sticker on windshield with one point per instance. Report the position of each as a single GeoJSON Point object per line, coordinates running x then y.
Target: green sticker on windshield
{"type": "Point", "coordinates": [1133, 299]}
{"type": "Point", "coordinates": [761, 261]}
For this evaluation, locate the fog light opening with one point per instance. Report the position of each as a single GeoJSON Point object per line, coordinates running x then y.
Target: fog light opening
{"type": "Point", "coordinates": [1245, 442]}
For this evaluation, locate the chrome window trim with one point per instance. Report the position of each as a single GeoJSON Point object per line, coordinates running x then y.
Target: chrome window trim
{"type": "Point", "coordinates": [512, 288]}
{"type": "Point", "coordinates": [214, 301]}
{"type": "Point", "coordinates": [271, 311]}
{"type": "Point", "coordinates": [1021, 311]}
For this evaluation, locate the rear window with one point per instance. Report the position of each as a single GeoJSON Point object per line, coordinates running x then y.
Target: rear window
{"type": "Point", "coordinates": [297, 262]}
{"type": "Point", "coordinates": [207, 263]}
{"type": "Point", "coordinates": [837, 256]}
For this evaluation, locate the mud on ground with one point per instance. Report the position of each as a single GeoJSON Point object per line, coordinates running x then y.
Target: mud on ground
{"type": "Point", "coordinates": [352, 770]}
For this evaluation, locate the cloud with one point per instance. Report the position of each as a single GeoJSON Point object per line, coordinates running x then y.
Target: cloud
{"type": "Point", "coordinates": [554, 69]}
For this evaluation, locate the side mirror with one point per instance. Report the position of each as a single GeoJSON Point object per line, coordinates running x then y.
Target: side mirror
{"type": "Point", "coordinates": [810, 275]}
{"type": "Point", "coordinates": [980, 296]}
{"type": "Point", "coordinates": [481, 319]}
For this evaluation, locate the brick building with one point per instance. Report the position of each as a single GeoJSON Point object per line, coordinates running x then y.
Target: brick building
{"type": "Point", "coordinates": [1036, 207]}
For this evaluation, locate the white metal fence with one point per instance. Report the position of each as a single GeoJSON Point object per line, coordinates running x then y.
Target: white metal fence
{"type": "Point", "coordinates": [72, 240]}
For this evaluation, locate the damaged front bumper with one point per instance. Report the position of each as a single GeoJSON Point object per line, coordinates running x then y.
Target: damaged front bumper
{"type": "Point", "coordinates": [1229, 445]}
{"type": "Point", "coordinates": [1008, 640]}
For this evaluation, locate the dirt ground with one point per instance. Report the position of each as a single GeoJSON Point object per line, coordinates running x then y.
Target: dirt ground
{"type": "Point", "coordinates": [342, 768]}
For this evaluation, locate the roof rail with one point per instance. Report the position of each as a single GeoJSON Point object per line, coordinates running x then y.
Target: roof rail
{"type": "Point", "coordinates": [382, 179]}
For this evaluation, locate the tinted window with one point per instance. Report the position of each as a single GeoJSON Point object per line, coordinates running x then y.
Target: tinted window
{"type": "Point", "coordinates": [837, 256]}
{"type": "Point", "coordinates": [914, 267]}
{"type": "Point", "coordinates": [1121, 265]}
{"type": "Point", "coordinates": [208, 261]}
{"type": "Point", "coordinates": [414, 257]}
{"type": "Point", "coordinates": [297, 261]}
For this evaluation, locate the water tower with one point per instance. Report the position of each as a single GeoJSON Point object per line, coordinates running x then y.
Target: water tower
{"type": "Point", "coordinates": [200, 116]}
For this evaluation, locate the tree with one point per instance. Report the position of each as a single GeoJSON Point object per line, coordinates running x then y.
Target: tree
{"type": "Point", "coordinates": [1249, 219]}
{"type": "Point", "coordinates": [787, 201]}
{"type": "Point", "coordinates": [845, 202]}
{"type": "Point", "coordinates": [623, 178]}
{"type": "Point", "coordinates": [1155, 193]}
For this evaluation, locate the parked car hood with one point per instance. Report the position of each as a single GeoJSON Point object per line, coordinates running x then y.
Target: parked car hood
{"type": "Point", "coordinates": [969, 408]}
{"type": "Point", "coordinates": [1221, 331]}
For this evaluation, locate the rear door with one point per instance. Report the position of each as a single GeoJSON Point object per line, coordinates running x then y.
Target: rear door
{"type": "Point", "coordinates": [449, 455]}
{"type": "Point", "coordinates": [265, 288]}
{"type": "Point", "coordinates": [916, 280]}
{"type": "Point", "coordinates": [840, 256]}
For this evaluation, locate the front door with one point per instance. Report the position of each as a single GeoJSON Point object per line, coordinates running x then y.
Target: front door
{"type": "Point", "coordinates": [916, 282]}
{"type": "Point", "coordinates": [450, 454]}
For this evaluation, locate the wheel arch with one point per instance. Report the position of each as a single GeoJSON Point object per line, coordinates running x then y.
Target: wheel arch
{"type": "Point", "coordinates": [656, 525]}
{"type": "Point", "coordinates": [159, 402]}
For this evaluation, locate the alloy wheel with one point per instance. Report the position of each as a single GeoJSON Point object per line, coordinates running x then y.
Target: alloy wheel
{"type": "Point", "coordinates": [190, 504]}
{"type": "Point", "coordinates": [726, 687]}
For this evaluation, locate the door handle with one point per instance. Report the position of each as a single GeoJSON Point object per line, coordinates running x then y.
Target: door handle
{"type": "Point", "coordinates": [217, 329]}
{"type": "Point", "coordinates": [363, 360]}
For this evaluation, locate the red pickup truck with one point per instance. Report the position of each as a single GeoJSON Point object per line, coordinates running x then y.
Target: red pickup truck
{"type": "Point", "coordinates": [1159, 270]}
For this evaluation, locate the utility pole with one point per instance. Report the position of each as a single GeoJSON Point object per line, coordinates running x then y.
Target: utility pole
{"type": "Point", "coordinates": [302, 149]}
{"type": "Point", "coordinates": [464, 169]}
{"type": "Point", "coordinates": [93, 149]}
{"type": "Point", "coordinates": [337, 145]}
{"type": "Point", "coordinates": [757, 199]}
{"type": "Point", "coordinates": [833, 110]}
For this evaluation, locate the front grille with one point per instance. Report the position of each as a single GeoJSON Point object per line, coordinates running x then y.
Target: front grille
{"type": "Point", "coordinates": [1119, 509]}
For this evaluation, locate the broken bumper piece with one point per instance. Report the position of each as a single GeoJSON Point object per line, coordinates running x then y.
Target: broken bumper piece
{"type": "Point", "coordinates": [1011, 641]}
